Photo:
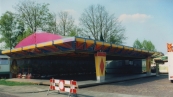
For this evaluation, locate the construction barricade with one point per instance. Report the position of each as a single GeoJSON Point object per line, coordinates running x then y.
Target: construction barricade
{"type": "Point", "coordinates": [69, 86]}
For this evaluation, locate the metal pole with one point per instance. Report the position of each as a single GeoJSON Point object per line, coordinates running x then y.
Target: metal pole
{"type": "Point", "coordinates": [10, 41]}
{"type": "Point", "coordinates": [157, 69]}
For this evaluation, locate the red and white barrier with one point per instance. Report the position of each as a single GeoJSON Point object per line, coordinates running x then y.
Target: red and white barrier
{"type": "Point", "coordinates": [64, 86]}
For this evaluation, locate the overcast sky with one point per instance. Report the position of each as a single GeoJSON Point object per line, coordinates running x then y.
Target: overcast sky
{"type": "Point", "coordinates": [143, 19]}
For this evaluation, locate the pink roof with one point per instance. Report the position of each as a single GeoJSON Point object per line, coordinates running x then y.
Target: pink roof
{"type": "Point", "coordinates": [37, 38]}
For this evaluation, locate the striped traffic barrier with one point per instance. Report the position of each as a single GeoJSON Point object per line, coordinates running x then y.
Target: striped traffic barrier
{"type": "Point", "coordinates": [69, 86]}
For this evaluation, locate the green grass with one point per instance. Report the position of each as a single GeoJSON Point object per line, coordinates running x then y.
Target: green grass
{"type": "Point", "coordinates": [11, 83]}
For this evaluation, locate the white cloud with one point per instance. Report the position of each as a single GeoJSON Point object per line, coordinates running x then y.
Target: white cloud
{"type": "Point", "coordinates": [134, 17]}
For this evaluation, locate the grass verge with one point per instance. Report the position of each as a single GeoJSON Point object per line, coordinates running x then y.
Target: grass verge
{"type": "Point", "coordinates": [12, 83]}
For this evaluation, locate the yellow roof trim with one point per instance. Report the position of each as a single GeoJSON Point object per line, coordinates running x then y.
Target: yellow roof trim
{"type": "Point", "coordinates": [99, 43]}
{"type": "Point", "coordinates": [29, 47]}
{"type": "Point", "coordinates": [107, 44]}
{"type": "Point", "coordinates": [6, 52]}
{"type": "Point", "coordinates": [58, 41]}
{"type": "Point", "coordinates": [113, 45]}
{"type": "Point", "coordinates": [137, 49]}
{"type": "Point", "coordinates": [90, 41]}
{"type": "Point", "coordinates": [145, 51]}
{"type": "Point", "coordinates": [126, 48]}
{"type": "Point", "coordinates": [16, 50]}
{"type": "Point", "coordinates": [131, 49]}
{"type": "Point", "coordinates": [80, 39]}
{"type": "Point", "coordinates": [44, 44]}
{"type": "Point", "coordinates": [120, 46]}
{"type": "Point", "coordinates": [151, 52]}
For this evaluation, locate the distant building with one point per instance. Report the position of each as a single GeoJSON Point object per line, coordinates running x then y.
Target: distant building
{"type": "Point", "coordinates": [163, 63]}
{"type": "Point", "coordinates": [4, 66]}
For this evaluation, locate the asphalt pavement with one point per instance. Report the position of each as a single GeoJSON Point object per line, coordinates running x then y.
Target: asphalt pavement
{"type": "Point", "coordinates": [143, 87]}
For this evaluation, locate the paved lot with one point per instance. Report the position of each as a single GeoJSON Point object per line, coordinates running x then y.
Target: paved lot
{"type": "Point", "coordinates": [41, 91]}
{"type": "Point", "coordinates": [145, 87]}
{"type": "Point", "coordinates": [152, 86]}
{"type": "Point", "coordinates": [6, 95]}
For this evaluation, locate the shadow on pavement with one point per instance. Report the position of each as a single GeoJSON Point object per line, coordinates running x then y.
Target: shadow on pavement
{"type": "Point", "coordinates": [78, 95]}
{"type": "Point", "coordinates": [141, 80]}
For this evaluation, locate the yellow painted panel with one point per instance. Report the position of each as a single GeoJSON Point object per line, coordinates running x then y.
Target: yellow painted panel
{"type": "Point", "coordinates": [120, 46]}
{"type": "Point", "coordinates": [13, 50]}
{"type": "Point", "coordinates": [58, 41]}
{"type": "Point", "coordinates": [126, 48]}
{"type": "Point", "coordinates": [113, 46]}
{"type": "Point", "coordinates": [99, 43]}
{"type": "Point", "coordinates": [48, 43]}
{"type": "Point", "coordinates": [100, 60]}
{"type": "Point", "coordinates": [6, 52]}
{"type": "Point", "coordinates": [80, 39]}
{"type": "Point", "coordinates": [107, 44]}
{"type": "Point", "coordinates": [29, 47]}
{"type": "Point", "coordinates": [151, 52]}
{"type": "Point", "coordinates": [135, 49]}
{"type": "Point", "coordinates": [139, 50]}
{"type": "Point", "coordinates": [25, 48]}
{"type": "Point", "coordinates": [131, 49]}
{"type": "Point", "coordinates": [144, 51]}
{"type": "Point", "coordinates": [32, 46]}
{"type": "Point", "coordinates": [44, 44]}
{"type": "Point", "coordinates": [16, 49]}
{"type": "Point", "coordinates": [90, 41]}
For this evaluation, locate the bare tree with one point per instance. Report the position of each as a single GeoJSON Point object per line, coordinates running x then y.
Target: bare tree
{"type": "Point", "coordinates": [75, 31]}
{"type": "Point", "coordinates": [65, 24]}
{"type": "Point", "coordinates": [35, 15]}
{"type": "Point", "coordinates": [51, 24]}
{"type": "Point", "coordinates": [98, 24]}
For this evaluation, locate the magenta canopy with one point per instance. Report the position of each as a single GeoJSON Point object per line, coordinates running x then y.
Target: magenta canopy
{"type": "Point", "coordinates": [38, 38]}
